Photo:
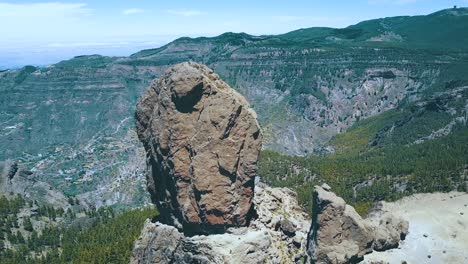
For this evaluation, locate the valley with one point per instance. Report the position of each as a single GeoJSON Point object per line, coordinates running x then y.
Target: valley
{"type": "Point", "coordinates": [377, 110]}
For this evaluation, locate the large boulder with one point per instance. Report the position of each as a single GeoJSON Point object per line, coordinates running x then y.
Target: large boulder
{"type": "Point", "coordinates": [338, 234]}
{"type": "Point", "coordinates": [202, 142]}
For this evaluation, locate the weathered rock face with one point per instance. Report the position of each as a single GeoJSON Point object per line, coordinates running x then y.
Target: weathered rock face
{"type": "Point", "coordinates": [9, 169]}
{"type": "Point", "coordinates": [16, 179]}
{"type": "Point", "coordinates": [202, 141]}
{"type": "Point", "coordinates": [340, 235]}
{"type": "Point", "coordinates": [263, 241]}
{"type": "Point", "coordinates": [389, 230]}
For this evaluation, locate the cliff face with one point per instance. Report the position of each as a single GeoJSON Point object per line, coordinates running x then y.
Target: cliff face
{"type": "Point", "coordinates": [202, 142]}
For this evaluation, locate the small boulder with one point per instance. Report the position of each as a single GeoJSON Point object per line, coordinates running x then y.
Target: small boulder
{"type": "Point", "coordinates": [389, 232]}
{"type": "Point", "coordinates": [287, 227]}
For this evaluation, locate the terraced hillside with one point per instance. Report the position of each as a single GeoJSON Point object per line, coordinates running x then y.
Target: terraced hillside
{"type": "Point", "coordinates": [417, 147]}
{"type": "Point", "coordinates": [71, 124]}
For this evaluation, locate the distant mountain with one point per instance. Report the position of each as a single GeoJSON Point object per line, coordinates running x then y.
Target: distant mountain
{"type": "Point", "coordinates": [71, 124]}
{"type": "Point", "coordinates": [441, 30]}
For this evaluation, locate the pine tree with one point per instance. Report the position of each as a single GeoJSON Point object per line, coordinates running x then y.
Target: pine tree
{"type": "Point", "coordinates": [27, 225]}
{"type": "Point", "coordinates": [20, 238]}
{"type": "Point", "coordinates": [33, 240]}
{"type": "Point", "coordinates": [71, 201]}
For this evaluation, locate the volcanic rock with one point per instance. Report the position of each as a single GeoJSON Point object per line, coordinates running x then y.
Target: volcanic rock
{"type": "Point", "coordinates": [10, 169]}
{"type": "Point", "coordinates": [389, 230]}
{"type": "Point", "coordinates": [260, 242]}
{"type": "Point", "coordinates": [202, 142]}
{"type": "Point", "coordinates": [340, 235]}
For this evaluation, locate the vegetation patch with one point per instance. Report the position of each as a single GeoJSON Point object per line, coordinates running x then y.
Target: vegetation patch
{"type": "Point", "coordinates": [78, 235]}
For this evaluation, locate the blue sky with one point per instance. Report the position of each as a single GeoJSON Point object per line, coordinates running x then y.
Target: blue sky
{"type": "Point", "coordinates": [41, 32]}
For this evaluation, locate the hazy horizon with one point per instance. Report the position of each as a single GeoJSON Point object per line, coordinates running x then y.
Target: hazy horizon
{"type": "Point", "coordinates": [43, 33]}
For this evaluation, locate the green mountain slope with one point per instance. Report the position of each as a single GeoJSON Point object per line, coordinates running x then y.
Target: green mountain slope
{"type": "Point", "coordinates": [417, 147]}
{"type": "Point", "coordinates": [441, 30]}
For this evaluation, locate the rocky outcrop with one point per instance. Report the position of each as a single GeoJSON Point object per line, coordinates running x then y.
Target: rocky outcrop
{"type": "Point", "coordinates": [202, 141]}
{"type": "Point", "coordinates": [16, 179]}
{"type": "Point", "coordinates": [389, 229]}
{"type": "Point", "coordinates": [160, 243]}
{"type": "Point", "coordinates": [266, 240]}
{"type": "Point", "coordinates": [10, 168]}
{"type": "Point", "coordinates": [278, 211]}
{"type": "Point", "coordinates": [340, 235]}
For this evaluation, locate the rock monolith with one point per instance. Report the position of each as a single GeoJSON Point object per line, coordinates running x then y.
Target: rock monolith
{"type": "Point", "coordinates": [202, 143]}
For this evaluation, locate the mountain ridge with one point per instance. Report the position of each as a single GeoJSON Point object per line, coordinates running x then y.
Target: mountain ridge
{"type": "Point", "coordinates": [317, 32]}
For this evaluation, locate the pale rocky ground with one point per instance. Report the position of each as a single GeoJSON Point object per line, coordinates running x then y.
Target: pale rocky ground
{"type": "Point", "coordinates": [438, 227]}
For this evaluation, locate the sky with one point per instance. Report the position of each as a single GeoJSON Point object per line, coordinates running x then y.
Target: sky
{"type": "Point", "coordinates": [42, 32]}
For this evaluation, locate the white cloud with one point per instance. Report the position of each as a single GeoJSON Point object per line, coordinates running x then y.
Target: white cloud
{"type": "Point", "coordinates": [132, 11]}
{"type": "Point", "coordinates": [42, 10]}
{"type": "Point", "coordinates": [30, 20]}
{"type": "Point", "coordinates": [184, 12]}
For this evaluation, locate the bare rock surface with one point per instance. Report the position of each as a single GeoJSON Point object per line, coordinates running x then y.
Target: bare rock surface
{"type": "Point", "coordinates": [438, 229]}
{"type": "Point", "coordinates": [202, 141]}
{"type": "Point", "coordinates": [389, 229]}
{"type": "Point", "coordinates": [263, 241]}
{"type": "Point", "coordinates": [338, 234]}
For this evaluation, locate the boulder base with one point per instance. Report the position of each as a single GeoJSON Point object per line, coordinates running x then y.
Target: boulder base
{"type": "Point", "coordinates": [265, 240]}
